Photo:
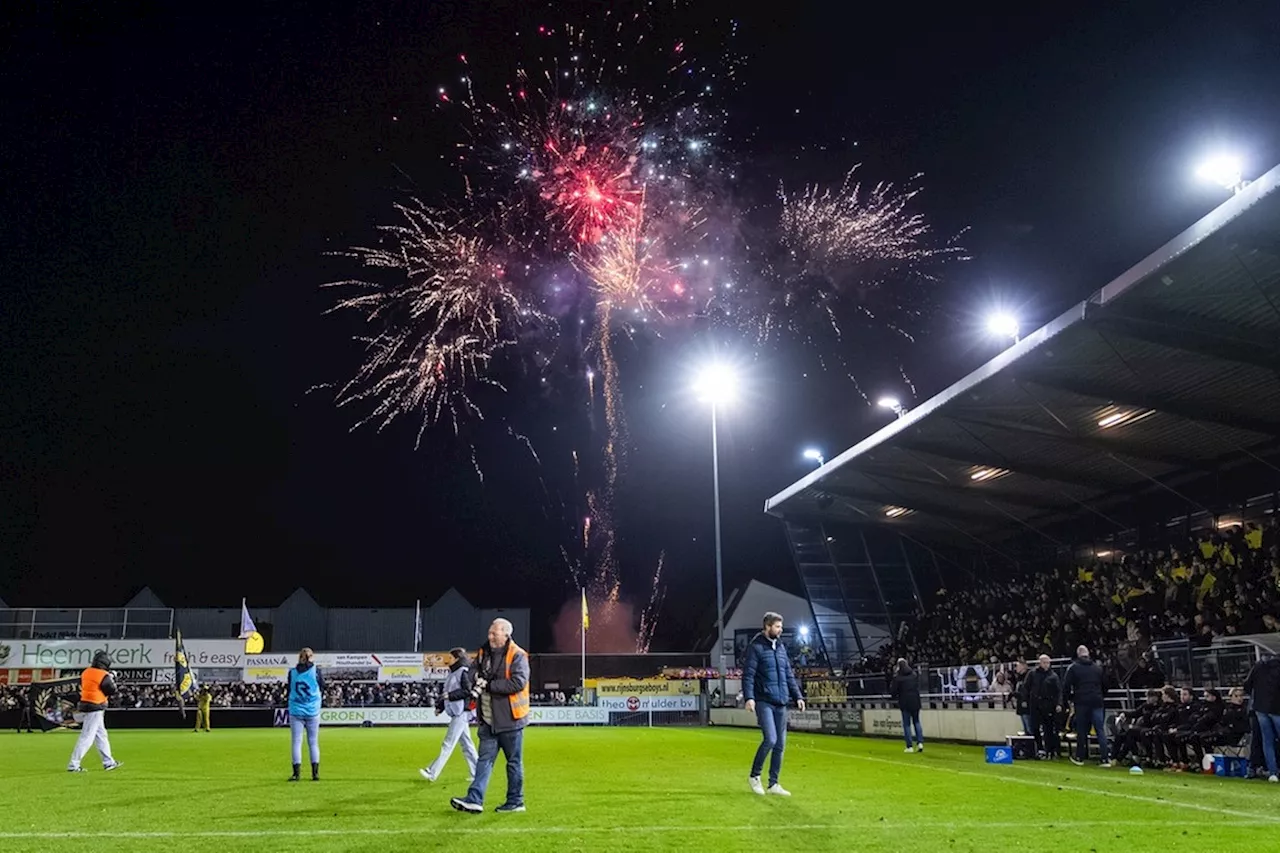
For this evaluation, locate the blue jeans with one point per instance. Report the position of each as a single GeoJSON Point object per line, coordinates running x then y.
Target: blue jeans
{"type": "Point", "coordinates": [1028, 724]}
{"type": "Point", "coordinates": [312, 726]}
{"type": "Point", "coordinates": [1086, 717]}
{"type": "Point", "coordinates": [909, 717]}
{"type": "Point", "coordinates": [512, 746]}
{"type": "Point", "coordinates": [1269, 726]}
{"type": "Point", "coordinates": [773, 727]}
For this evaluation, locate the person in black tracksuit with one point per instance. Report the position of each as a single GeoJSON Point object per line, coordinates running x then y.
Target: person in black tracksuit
{"type": "Point", "coordinates": [1084, 686]}
{"type": "Point", "coordinates": [905, 688]}
{"type": "Point", "coordinates": [1044, 700]}
{"type": "Point", "coordinates": [1165, 717]}
{"type": "Point", "coordinates": [1233, 725]}
{"type": "Point", "coordinates": [1167, 739]}
{"type": "Point", "coordinates": [1021, 701]}
{"type": "Point", "coordinates": [1206, 718]}
{"type": "Point", "coordinates": [1132, 727]}
{"type": "Point", "coordinates": [24, 710]}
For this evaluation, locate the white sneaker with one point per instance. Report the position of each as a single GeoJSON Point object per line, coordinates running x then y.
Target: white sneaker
{"type": "Point", "coordinates": [1105, 764]}
{"type": "Point", "coordinates": [756, 787]}
{"type": "Point", "coordinates": [113, 765]}
{"type": "Point", "coordinates": [909, 750]}
{"type": "Point", "coordinates": [1273, 778]}
{"type": "Point", "coordinates": [919, 747]}
{"type": "Point", "coordinates": [426, 774]}
{"type": "Point", "coordinates": [778, 791]}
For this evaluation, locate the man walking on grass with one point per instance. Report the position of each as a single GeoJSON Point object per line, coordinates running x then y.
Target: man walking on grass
{"type": "Point", "coordinates": [769, 685]}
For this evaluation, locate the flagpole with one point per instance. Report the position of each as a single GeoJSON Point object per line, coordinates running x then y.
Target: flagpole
{"type": "Point", "coordinates": [417, 625]}
{"type": "Point", "coordinates": [582, 623]}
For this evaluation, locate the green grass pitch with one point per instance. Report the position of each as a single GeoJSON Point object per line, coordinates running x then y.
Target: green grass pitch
{"type": "Point", "coordinates": [616, 789]}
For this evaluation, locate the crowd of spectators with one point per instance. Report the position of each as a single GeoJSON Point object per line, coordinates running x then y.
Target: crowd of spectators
{"type": "Point", "coordinates": [1215, 586]}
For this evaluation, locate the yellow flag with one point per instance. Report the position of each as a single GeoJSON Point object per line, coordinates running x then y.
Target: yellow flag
{"type": "Point", "coordinates": [586, 621]}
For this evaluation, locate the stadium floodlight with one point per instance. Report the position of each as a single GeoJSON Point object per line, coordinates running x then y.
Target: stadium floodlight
{"type": "Point", "coordinates": [893, 404]}
{"type": "Point", "coordinates": [816, 455]}
{"type": "Point", "coordinates": [804, 632]}
{"type": "Point", "coordinates": [1224, 170]}
{"type": "Point", "coordinates": [717, 384]}
{"type": "Point", "coordinates": [1004, 325]}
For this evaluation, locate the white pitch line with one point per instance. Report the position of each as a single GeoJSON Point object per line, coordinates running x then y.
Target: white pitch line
{"type": "Point", "coordinates": [1138, 798]}
{"type": "Point", "coordinates": [570, 830]}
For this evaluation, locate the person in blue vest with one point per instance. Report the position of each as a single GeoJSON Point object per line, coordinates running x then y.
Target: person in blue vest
{"type": "Point", "coordinates": [769, 685]}
{"type": "Point", "coordinates": [306, 688]}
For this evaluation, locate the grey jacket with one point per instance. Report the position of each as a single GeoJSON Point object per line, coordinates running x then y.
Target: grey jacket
{"type": "Point", "coordinates": [494, 708]}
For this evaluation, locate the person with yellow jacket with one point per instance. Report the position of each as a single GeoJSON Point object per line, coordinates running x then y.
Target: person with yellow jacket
{"type": "Point", "coordinates": [204, 700]}
{"type": "Point", "coordinates": [96, 689]}
{"type": "Point", "coordinates": [501, 693]}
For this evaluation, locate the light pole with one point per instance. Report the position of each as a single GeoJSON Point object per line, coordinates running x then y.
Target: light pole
{"type": "Point", "coordinates": [717, 385]}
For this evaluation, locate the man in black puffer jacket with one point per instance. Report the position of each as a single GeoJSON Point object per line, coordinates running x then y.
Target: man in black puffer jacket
{"type": "Point", "coordinates": [1044, 698]}
{"type": "Point", "coordinates": [1263, 686]}
{"type": "Point", "coordinates": [1085, 686]}
{"type": "Point", "coordinates": [768, 685]}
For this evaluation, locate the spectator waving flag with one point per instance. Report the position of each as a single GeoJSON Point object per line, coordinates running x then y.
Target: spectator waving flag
{"type": "Point", "coordinates": [248, 631]}
{"type": "Point", "coordinates": [184, 680]}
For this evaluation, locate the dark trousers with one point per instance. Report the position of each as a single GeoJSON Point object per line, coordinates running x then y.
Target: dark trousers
{"type": "Point", "coordinates": [1046, 724]}
{"type": "Point", "coordinates": [1090, 717]}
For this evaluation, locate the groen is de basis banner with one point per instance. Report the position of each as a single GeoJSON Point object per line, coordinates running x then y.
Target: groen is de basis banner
{"type": "Point", "coordinates": [544, 716]}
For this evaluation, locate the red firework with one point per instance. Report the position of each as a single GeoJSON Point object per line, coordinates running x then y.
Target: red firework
{"type": "Point", "coordinates": [589, 188]}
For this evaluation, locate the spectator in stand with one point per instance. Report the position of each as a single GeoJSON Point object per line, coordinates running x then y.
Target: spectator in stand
{"type": "Point", "coordinates": [1001, 688]}
{"type": "Point", "coordinates": [1044, 698]}
{"type": "Point", "coordinates": [1084, 687]}
{"type": "Point", "coordinates": [906, 690]}
{"type": "Point", "coordinates": [1263, 687]}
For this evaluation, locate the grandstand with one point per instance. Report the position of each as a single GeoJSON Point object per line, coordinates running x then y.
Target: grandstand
{"type": "Point", "coordinates": [1149, 409]}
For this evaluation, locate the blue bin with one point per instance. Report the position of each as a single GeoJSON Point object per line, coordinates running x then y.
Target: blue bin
{"type": "Point", "coordinates": [1230, 765]}
{"type": "Point", "coordinates": [999, 755]}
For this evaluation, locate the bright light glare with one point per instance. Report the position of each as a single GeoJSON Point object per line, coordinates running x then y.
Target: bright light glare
{"type": "Point", "coordinates": [804, 630]}
{"type": "Point", "coordinates": [1223, 170]}
{"type": "Point", "coordinates": [889, 403]}
{"type": "Point", "coordinates": [813, 453]}
{"type": "Point", "coordinates": [717, 384]}
{"type": "Point", "coordinates": [1003, 325]}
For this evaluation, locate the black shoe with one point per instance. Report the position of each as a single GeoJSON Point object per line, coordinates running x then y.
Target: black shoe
{"type": "Point", "coordinates": [509, 808]}
{"type": "Point", "coordinates": [315, 771]}
{"type": "Point", "coordinates": [297, 773]}
{"type": "Point", "coordinates": [465, 806]}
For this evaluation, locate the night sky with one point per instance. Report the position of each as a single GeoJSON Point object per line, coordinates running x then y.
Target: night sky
{"type": "Point", "coordinates": [174, 180]}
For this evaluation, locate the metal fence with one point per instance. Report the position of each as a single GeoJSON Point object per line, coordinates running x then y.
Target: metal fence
{"type": "Point", "coordinates": [105, 623]}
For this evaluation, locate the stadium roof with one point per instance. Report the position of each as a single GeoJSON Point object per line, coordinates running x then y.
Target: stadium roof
{"type": "Point", "coordinates": [1167, 375]}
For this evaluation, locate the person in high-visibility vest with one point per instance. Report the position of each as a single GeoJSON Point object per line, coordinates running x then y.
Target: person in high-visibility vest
{"type": "Point", "coordinates": [96, 689]}
{"type": "Point", "coordinates": [204, 699]}
{"type": "Point", "coordinates": [501, 693]}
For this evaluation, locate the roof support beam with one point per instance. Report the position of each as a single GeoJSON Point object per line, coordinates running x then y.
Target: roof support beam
{"type": "Point", "coordinates": [993, 460]}
{"type": "Point", "coordinates": [1103, 445]}
{"type": "Point", "coordinates": [974, 493]}
{"type": "Point", "coordinates": [1193, 335]}
{"type": "Point", "coordinates": [927, 507]}
{"type": "Point", "coordinates": [1136, 399]}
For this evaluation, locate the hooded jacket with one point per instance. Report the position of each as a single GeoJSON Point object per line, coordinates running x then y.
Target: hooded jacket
{"type": "Point", "coordinates": [1263, 685]}
{"type": "Point", "coordinates": [767, 675]}
{"type": "Point", "coordinates": [457, 687]}
{"type": "Point", "coordinates": [1083, 684]}
{"type": "Point", "coordinates": [906, 689]}
{"type": "Point", "coordinates": [96, 684]}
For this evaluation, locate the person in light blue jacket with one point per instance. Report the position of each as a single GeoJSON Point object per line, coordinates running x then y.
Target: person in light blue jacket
{"type": "Point", "coordinates": [306, 690]}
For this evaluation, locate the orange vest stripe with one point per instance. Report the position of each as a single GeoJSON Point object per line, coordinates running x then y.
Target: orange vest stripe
{"type": "Point", "coordinates": [91, 686]}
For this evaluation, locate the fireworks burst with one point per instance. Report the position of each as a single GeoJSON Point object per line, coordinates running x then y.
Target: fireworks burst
{"type": "Point", "coordinates": [586, 198]}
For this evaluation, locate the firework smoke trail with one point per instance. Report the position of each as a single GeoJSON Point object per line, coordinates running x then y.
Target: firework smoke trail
{"type": "Point", "coordinates": [649, 616]}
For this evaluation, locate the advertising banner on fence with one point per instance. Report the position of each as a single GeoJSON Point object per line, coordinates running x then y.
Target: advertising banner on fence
{"type": "Point", "coordinates": [825, 691]}
{"type": "Point", "coordinates": [885, 722]}
{"type": "Point", "coordinates": [568, 715]}
{"type": "Point", "coordinates": [269, 668]}
{"type": "Point", "coordinates": [645, 687]}
{"type": "Point", "coordinates": [805, 721]}
{"type": "Point", "coordinates": [385, 666]}
{"type": "Point", "coordinates": [130, 676]}
{"type": "Point", "coordinates": [26, 676]}
{"type": "Point", "coordinates": [125, 654]}
{"type": "Point", "coordinates": [846, 721]}
{"type": "Point", "coordinates": [648, 703]}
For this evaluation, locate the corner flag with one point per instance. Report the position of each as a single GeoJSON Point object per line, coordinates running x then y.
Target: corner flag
{"type": "Point", "coordinates": [586, 619]}
{"type": "Point", "coordinates": [249, 632]}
